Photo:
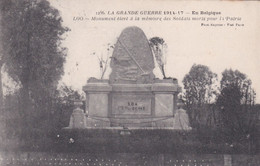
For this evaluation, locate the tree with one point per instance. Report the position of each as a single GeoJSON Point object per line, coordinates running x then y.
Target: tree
{"type": "Point", "coordinates": [32, 32]}
{"type": "Point", "coordinates": [229, 102]}
{"type": "Point", "coordinates": [158, 47]}
{"type": "Point", "coordinates": [200, 89]}
{"type": "Point", "coordinates": [236, 78]}
{"type": "Point", "coordinates": [236, 103]}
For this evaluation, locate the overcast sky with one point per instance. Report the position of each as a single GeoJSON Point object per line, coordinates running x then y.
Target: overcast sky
{"type": "Point", "coordinates": [220, 48]}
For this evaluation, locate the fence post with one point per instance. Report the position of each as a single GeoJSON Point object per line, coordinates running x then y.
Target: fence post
{"type": "Point", "coordinates": [227, 160]}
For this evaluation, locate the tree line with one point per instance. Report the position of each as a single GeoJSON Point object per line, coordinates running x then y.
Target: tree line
{"type": "Point", "coordinates": [228, 105]}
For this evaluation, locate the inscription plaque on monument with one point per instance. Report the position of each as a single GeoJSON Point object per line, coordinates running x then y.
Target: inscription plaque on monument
{"type": "Point", "coordinates": [131, 105]}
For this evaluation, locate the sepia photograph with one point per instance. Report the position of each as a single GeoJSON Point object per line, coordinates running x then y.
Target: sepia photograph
{"type": "Point", "coordinates": [129, 83]}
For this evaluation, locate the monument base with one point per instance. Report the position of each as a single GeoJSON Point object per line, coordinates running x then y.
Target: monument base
{"type": "Point", "coordinates": [130, 105]}
{"type": "Point", "coordinates": [150, 122]}
{"type": "Point", "coordinates": [81, 121]}
{"type": "Point", "coordinates": [97, 122]}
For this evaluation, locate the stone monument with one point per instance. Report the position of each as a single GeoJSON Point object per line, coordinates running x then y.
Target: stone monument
{"type": "Point", "coordinates": [132, 59]}
{"type": "Point", "coordinates": [132, 97]}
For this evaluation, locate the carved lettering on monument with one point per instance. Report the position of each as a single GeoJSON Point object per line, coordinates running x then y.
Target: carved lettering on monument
{"type": "Point", "coordinates": [131, 105]}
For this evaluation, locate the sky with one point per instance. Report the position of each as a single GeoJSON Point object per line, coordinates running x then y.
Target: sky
{"type": "Point", "coordinates": [218, 47]}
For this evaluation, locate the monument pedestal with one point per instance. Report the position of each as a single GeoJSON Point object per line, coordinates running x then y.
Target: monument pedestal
{"type": "Point", "coordinates": [165, 93]}
{"type": "Point", "coordinates": [130, 105]}
{"type": "Point", "coordinates": [97, 104]}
